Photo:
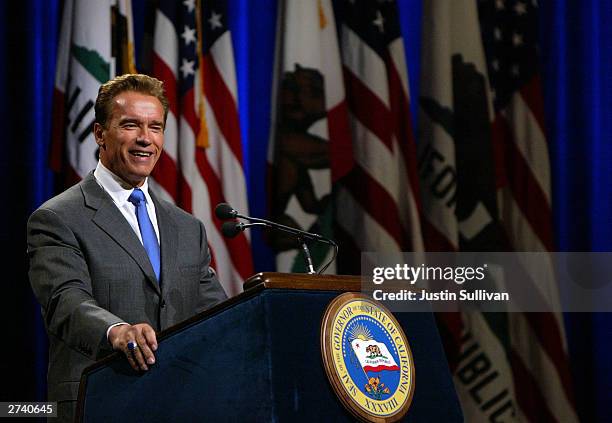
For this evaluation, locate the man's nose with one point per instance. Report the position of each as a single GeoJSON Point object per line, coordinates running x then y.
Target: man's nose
{"type": "Point", "coordinates": [144, 136]}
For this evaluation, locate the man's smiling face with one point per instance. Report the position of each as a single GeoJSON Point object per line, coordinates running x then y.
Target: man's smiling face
{"type": "Point", "coordinates": [133, 137]}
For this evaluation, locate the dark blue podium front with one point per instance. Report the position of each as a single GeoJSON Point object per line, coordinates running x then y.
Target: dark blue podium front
{"type": "Point", "coordinates": [256, 358]}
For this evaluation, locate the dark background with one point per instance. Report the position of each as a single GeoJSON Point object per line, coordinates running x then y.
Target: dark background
{"type": "Point", "coordinates": [576, 69]}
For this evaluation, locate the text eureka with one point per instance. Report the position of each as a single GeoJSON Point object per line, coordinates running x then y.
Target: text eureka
{"type": "Point", "coordinates": [404, 384]}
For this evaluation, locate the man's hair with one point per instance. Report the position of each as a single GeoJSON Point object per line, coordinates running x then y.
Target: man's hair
{"type": "Point", "coordinates": [140, 83]}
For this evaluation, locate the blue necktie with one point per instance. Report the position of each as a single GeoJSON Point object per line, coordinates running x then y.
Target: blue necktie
{"type": "Point", "coordinates": [147, 232]}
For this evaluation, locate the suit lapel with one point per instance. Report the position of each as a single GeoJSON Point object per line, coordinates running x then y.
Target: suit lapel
{"type": "Point", "coordinates": [168, 234]}
{"type": "Point", "coordinates": [110, 220]}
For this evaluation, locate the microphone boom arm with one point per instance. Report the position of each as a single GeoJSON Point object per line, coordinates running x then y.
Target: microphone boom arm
{"type": "Point", "coordinates": [285, 228]}
{"type": "Point", "coordinates": [230, 229]}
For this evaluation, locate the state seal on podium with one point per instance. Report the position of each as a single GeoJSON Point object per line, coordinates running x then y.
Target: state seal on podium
{"type": "Point", "coordinates": [367, 358]}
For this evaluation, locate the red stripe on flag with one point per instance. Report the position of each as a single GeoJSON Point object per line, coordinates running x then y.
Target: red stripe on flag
{"type": "Point", "coordinates": [376, 201]}
{"type": "Point", "coordinates": [165, 174]}
{"type": "Point", "coordinates": [546, 329]}
{"type": "Point", "coordinates": [368, 108]}
{"type": "Point", "coordinates": [223, 106]}
{"type": "Point", "coordinates": [529, 398]}
{"type": "Point", "coordinates": [525, 189]}
{"type": "Point", "coordinates": [71, 177]}
{"type": "Point", "coordinates": [433, 239]}
{"type": "Point", "coordinates": [164, 74]}
{"type": "Point", "coordinates": [532, 96]}
{"type": "Point", "coordinates": [402, 126]}
{"type": "Point", "coordinates": [340, 144]}
{"type": "Point", "coordinates": [239, 246]}
{"type": "Point", "coordinates": [188, 112]}
{"type": "Point", "coordinates": [185, 197]}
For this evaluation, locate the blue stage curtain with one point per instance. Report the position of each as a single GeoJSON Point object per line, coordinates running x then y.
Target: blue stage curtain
{"type": "Point", "coordinates": [577, 75]}
{"type": "Point", "coordinates": [27, 60]}
{"type": "Point", "coordinates": [40, 73]}
{"type": "Point", "coordinates": [41, 53]}
{"type": "Point", "coordinates": [253, 26]}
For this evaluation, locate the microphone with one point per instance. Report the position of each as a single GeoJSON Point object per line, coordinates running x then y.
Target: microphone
{"type": "Point", "coordinates": [230, 229]}
{"type": "Point", "coordinates": [224, 211]}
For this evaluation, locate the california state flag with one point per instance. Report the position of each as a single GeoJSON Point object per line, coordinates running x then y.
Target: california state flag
{"type": "Point", "coordinates": [96, 43]}
{"type": "Point", "coordinates": [310, 135]}
{"type": "Point", "coordinates": [373, 356]}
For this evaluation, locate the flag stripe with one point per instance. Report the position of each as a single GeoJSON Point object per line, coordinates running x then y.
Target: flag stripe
{"type": "Point", "coordinates": [544, 357]}
{"type": "Point", "coordinates": [387, 169]}
{"type": "Point", "coordinates": [166, 166]}
{"type": "Point", "coordinates": [241, 264]}
{"type": "Point", "coordinates": [376, 200]}
{"type": "Point", "coordinates": [225, 64]}
{"type": "Point", "coordinates": [367, 108]}
{"type": "Point", "coordinates": [524, 188]}
{"type": "Point", "coordinates": [202, 92]}
{"type": "Point", "coordinates": [340, 143]}
{"type": "Point", "coordinates": [165, 41]}
{"type": "Point", "coordinates": [532, 96]}
{"type": "Point", "coordinates": [213, 184]}
{"type": "Point", "coordinates": [434, 240]}
{"type": "Point", "coordinates": [528, 396]}
{"type": "Point", "coordinates": [530, 142]}
{"type": "Point", "coordinates": [202, 207]}
{"type": "Point", "coordinates": [365, 64]}
{"type": "Point", "coordinates": [379, 162]}
{"type": "Point", "coordinates": [223, 162]}
{"type": "Point", "coordinates": [402, 125]}
{"type": "Point", "coordinates": [164, 73]}
{"type": "Point", "coordinates": [397, 53]}
{"type": "Point", "coordinates": [366, 232]}
{"type": "Point", "coordinates": [223, 106]}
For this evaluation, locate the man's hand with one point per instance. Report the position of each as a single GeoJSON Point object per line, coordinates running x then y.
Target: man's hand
{"type": "Point", "coordinates": [143, 338]}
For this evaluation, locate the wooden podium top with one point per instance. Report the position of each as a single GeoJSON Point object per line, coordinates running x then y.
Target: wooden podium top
{"type": "Point", "coordinates": [303, 281]}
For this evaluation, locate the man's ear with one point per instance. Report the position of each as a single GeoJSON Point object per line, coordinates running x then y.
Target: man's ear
{"type": "Point", "coordinates": [98, 131]}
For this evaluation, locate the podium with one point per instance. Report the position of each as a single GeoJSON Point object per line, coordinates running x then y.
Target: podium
{"type": "Point", "coordinates": [256, 357]}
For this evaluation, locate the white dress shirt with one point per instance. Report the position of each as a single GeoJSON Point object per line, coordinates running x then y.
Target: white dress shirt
{"type": "Point", "coordinates": [120, 191]}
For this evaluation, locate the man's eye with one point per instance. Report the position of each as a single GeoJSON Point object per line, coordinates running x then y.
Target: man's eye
{"type": "Point", "coordinates": [157, 128]}
{"type": "Point", "coordinates": [129, 125]}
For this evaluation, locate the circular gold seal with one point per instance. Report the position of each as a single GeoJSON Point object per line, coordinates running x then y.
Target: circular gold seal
{"type": "Point", "coordinates": [367, 358]}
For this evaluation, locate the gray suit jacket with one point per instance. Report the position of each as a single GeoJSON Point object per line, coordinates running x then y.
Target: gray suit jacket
{"type": "Point", "coordinates": [88, 270]}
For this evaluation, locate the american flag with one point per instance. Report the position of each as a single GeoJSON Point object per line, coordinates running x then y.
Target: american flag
{"type": "Point", "coordinates": [539, 351]}
{"type": "Point", "coordinates": [483, 123]}
{"type": "Point", "coordinates": [201, 165]}
{"type": "Point", "coordinates": [377, 202]}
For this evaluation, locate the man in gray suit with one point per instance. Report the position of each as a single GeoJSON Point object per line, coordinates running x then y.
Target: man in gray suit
{"type": "Point", "coordinates": [110, 263]}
